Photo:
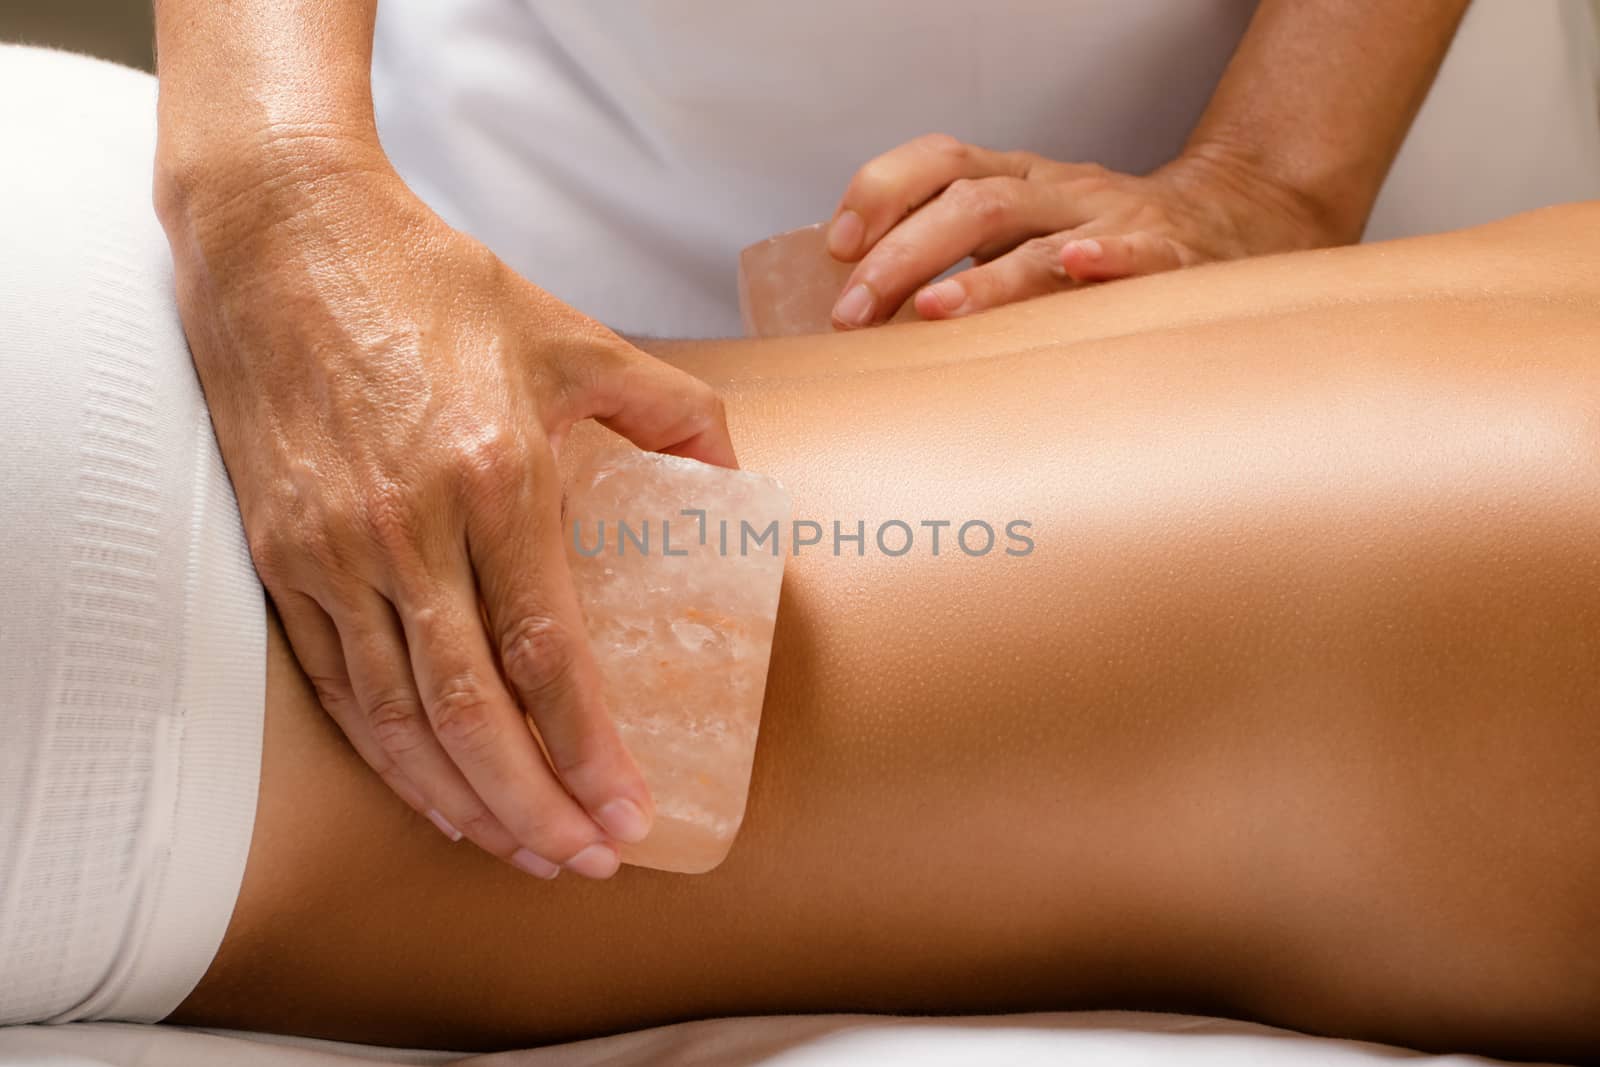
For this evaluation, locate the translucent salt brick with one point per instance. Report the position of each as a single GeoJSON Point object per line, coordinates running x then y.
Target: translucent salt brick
{"type": "Point", "coordinates": [788, 284]}
{"type": "Point", "coordinates": [680, 610]}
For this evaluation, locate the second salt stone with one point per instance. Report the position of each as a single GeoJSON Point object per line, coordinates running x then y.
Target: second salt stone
{"type": "Point", "coordinates": [789, 283]}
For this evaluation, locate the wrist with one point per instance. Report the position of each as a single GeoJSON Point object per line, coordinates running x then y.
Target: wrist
{"type": "Point", "coordinates": [258, 90]}
{"type": "Point", "coordinates": [1307, 216]}
{"type": "Point", "coordinates": [198, 172]}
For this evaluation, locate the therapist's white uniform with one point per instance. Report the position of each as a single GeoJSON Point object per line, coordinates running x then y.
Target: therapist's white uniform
{"type": "Point", "coordinates": [619, 153]}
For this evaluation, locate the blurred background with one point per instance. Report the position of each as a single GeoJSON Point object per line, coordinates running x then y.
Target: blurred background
{"type": "Point", "coordinates": [112, 29]}
{"type": "Point", "coordinates": [116, 29]}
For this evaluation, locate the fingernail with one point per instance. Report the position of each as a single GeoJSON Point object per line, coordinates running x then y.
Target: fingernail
{"type": "Point", "coordinates": [596, 861]}
{"type": "Point", "coordinates": [949, 294]}
{"type": "Point", "coordinates": [844, 236]}
{"type": "Point", "coordinates": [624, 821]}
{"type": "Point", "coordinates": [855, 307]}
{"type": "Point", "coordinates": [1089, 248]}
{"type": "Point", "coordinates": [535, 864]}
{"type": "Point", "coordinates": [445, 826]}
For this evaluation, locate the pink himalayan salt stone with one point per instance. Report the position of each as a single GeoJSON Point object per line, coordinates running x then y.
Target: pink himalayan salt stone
{"type": "Point", "coordinates": [682, 641]}
{"type": "Point", "coordinates": [788, 284]}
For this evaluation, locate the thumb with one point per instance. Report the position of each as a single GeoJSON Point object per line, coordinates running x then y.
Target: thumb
{"type": "Point", "coordinates": [653, 404]}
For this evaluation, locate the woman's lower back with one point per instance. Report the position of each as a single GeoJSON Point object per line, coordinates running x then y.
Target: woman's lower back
{"type": "Point", "coordinates": [1291, 711]}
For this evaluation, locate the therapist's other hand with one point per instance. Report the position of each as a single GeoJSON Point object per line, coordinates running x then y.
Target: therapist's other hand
{"type": "Point", "coordinates": [1034, 226]}
{"type": "Point", "coordinates": [388, 397]}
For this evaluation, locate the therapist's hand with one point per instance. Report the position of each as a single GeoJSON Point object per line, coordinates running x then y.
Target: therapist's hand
{"type": "Point", "coordinates": [1034, 226]}
{"type": "Point", "coordinates": [388, 397]}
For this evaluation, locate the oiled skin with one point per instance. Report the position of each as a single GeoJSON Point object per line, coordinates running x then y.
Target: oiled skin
{"type": "Point", "coordinates": [1293, 713]}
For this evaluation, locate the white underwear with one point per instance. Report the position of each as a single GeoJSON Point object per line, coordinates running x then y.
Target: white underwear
{"type": "Point", "coordinates": [132, 626]}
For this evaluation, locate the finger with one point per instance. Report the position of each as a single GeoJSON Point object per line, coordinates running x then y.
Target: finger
{"type": "Point", "coordinates": [1101, 259]}
{"type": "Point", "coordinates": [889, 187]}
{"type": "Point", "coordinates": [1031, 269]}
{"type": "Point", "coordinates": [392, 713]}
{"type": "Point", "coordinates": [518, 554]}
{"type": "Point", "coordinates": [479, 724]}
{"type": "Point", "coordinates": [320, 653]}
{"type": "Point", "coordinates": [652, 403]}
{"type": "Point", "coordinates": [967, 215]}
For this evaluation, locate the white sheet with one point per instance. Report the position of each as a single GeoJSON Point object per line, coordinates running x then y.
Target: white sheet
{"type": "Point", "coordinates": [1081, 1039]}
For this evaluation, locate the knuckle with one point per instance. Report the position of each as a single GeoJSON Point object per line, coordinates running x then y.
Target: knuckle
{"type": "Point", "coordinates": [874, 182]}
{"type": "Point", "coordinates": [270, 519]}
{"type": "Point", "coordinates": [1043, 254]}
{"type": "Point", "coordinates": [432, 625]}
{"type": "Point", "coordinates": [1028, 163]}
{"type": "Point", "coordinates": [962, 191]}
{"type": "Point", "coordinates": [491, 458]}
{"type": "Point", "coordinates": [1045, 250]}
{"type": "Point", "coordinates": [332, 693]}
{"type": "Point", "coordinates": [322, 543]}
{"type": "Point", "coordinates": [983, 200]}
{"type": "Point", "coordinates": [1089, 179]}
{"type": "Point", "coordinates": [388, 519]}
{"type": "Point", "coordinates": [316, 534]}
{"type": "Point", "coordinates": [890, 263]}
{"type": "Point", "coordinates": [397, 723]}
{"type": "Point", "coordinates": [274, 541]}
{"type": "Point", "coordinates": [950, 148]}
{"type": "Point", "coordinates": [537, 652]}
{"type": "Point", "coordinates": [267, 552]}
{"type": "Point", "coordinates": [462, 719]}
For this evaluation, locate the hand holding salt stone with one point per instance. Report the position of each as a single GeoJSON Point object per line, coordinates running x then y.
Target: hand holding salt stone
{"type": "Point", "coordinates": [680, 611]}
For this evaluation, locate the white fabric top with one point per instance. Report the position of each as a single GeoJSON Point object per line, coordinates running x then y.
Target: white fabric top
{"type": "Point", "coordinates": [621, 153]}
